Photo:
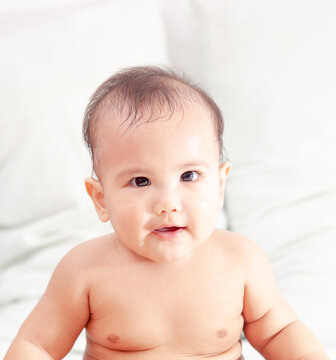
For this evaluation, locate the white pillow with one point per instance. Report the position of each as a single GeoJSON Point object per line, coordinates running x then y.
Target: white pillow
{"type": "Point", "coordinates": [52, 59]}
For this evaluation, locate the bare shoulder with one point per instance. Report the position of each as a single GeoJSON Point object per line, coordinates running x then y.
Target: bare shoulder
{"type": "Point", "coordinates": [67, 296]}
{"type": "Point", "coordinates": [78, 271]}
{"type": "Point", "coordinates": [247, 251]}
{"type": "Point", "coordinates": [241, 246]}
{"type": "Point", "coordinates": [244, 253]}
{"type": "Point", "coordinates": [89, 249]}
{"type": "Point", "coordinates": [85, 256]}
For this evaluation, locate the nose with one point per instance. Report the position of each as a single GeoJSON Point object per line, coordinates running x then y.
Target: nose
{"type": "Point", "coordinates": [167, 203]}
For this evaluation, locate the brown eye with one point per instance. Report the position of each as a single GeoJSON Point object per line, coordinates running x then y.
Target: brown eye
{"type": "Point", "coordinates": [189, 176]}
{"type": "Point", "coordinates": [140, 181]}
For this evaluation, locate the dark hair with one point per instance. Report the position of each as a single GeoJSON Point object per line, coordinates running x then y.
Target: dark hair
{"type": "Point", "coordinates": [146, 93]}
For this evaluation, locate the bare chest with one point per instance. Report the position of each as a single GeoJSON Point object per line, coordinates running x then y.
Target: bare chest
{"type": "Point", "coordinates": [196, 312]}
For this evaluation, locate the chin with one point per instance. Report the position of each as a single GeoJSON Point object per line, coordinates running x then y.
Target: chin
{"type": "Point", "coordinates": [171, 257]}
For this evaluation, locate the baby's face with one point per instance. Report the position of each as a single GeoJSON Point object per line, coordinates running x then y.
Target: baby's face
{"type": "Point", "coordinates": [161, 184]}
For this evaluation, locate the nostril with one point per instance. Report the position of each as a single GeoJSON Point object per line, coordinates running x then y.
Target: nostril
{"type": "Point", "coordinates": [162, 208]}
{"type": "Point", "coordinates": [164, 211]}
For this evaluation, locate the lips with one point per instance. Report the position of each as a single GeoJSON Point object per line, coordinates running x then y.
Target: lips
{"type": "Point", "coordinates": [168, 232]}
{"type": "Point", "coordinates": [169, 228]}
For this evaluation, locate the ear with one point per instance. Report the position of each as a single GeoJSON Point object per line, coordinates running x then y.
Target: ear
{"type": "Point", "coordinates": [224, 171]}
{"type": "Point", "coordinates": [95, 191]}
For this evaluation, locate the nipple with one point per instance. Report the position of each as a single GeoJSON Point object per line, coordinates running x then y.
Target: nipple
{"type": "Point", "coordinates": [113, 338]}
{"type": "Point", "coordinates": [221, 333]}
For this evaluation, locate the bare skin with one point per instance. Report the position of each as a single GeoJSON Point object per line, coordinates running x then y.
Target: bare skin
{"type": "Point", "coordinates": [156, 306]}
{"type": "Point", "coordinates": [166, 285]}
{"type": "Point", "coordinates": [136, 309]}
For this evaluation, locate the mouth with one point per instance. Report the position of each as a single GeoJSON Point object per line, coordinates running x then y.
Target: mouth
{"type": "Point", "coordinates": [169, 228]}
{"type": "Point", "coordinates": [169, 232]}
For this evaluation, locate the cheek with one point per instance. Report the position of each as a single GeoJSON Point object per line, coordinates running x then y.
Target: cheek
{"type": "Point", "coordinates": [208, 195]}
{"type": "Point", "coordinates": [205, 204]}
{"type": "Point", "coordinates": [126, 215]}
{"type": "Point", "coordinates": [208, 211]}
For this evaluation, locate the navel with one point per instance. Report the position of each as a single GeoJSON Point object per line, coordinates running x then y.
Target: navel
{"type": "Point", "coordinates": [221, 333]}
{"type": "Point", "coordinates": [113, 338]}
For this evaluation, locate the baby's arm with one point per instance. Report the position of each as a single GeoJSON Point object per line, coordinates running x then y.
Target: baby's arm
{"type": "Point", "coordinates": [51, 329]}
{"type": "Point", "coordinates": [270, 324]}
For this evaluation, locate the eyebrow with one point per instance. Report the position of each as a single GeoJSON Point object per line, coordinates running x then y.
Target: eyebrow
{"type": "Point", "coordinates": [192, 164]}
{"type": "Point", "coordinates": [180, 166]}
{"type": "Point", "coordinates": [131, 171]}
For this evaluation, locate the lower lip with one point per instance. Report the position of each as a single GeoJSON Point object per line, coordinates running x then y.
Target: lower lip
{"type": "Point", "coordinates": [168, 235]}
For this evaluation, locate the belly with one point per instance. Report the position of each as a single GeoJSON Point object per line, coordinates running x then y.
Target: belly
{"type": "Point", "coordinates": [96, 351]}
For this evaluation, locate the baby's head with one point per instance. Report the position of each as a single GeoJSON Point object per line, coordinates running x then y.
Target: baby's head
{"type": "Point", "coordinates": [140, 95]}
{"type": "Point", "coordinates": [155, 140]}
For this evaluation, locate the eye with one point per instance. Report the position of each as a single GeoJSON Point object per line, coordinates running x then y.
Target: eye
{"type": "Point", "coordinates": [190, 176]}
{"type": "Point", "coordinates": [140, 181]}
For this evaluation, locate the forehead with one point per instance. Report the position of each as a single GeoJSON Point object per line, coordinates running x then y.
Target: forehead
{"type": "Point", "coordinates": [187, 135]}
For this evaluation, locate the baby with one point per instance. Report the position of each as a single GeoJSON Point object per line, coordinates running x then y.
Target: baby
{"type": "Point", "coordinates": [166, 284]}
